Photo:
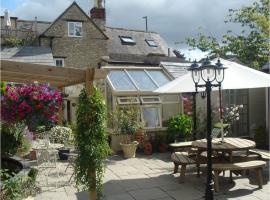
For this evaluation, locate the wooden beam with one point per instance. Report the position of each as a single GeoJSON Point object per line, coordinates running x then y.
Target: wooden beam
{"type": "Point", "coordinates": [44, 72]}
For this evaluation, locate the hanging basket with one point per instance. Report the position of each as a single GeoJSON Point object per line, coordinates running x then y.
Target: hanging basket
{"type": "Point", "coordinates": [129, 149]}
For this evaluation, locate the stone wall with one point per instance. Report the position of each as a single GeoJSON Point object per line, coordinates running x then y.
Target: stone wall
{"type": "Point", "coordinates": [78, 52]}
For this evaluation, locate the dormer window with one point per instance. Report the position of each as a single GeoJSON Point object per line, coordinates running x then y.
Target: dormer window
{"type": "Point", "coordinates": [127, 40]}
{"type": "Point", "coordinates": [151, 43]}
{"type": "Point", "coordinates": [75, 29]}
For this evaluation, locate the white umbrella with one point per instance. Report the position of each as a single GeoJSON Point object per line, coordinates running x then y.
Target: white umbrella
{"type": "Point", "coordinates": [7, 22]}
{"type": "Point", "coordinates": [236, 76]}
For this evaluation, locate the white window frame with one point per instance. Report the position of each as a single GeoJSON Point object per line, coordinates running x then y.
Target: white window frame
{"type": "Point", "coordinates": [159, 113]}
{"type": "Point", "coordinates": [128, 98]}
{"type": "Point", "coordinates": [62, 59]}
{"type": "Point", "coordinates": [75, 22]}
{"type": "Point", "coordinates": [150, 102]}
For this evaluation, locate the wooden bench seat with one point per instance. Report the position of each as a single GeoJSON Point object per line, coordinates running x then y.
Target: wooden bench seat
{"type": "Point", "coordinates": [264, 154]}
{"type": "Point", "coordinates": [183, 159]}
{"type": "Point", "coordinates": [256, 165]}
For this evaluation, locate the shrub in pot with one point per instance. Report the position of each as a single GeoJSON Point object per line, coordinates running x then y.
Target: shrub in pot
{"type": "Point", "coordinates": [128, 124]}
{"type": "Point", "coordinates": [179, 128]}
{"type": "Point", "coordinates": [61, 134]}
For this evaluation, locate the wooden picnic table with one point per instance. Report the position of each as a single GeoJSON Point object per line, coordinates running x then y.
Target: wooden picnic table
{"type": "Point", "coordinates": [229, 145]}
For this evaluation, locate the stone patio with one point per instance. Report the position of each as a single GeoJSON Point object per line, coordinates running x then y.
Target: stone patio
{"type": "Point", "coordinates": [150, 177]}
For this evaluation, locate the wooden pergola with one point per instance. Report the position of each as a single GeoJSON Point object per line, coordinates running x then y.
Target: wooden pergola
{"type": "Point", "coordinates": [58, 77]}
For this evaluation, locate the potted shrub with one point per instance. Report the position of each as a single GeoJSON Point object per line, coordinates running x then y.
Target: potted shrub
{"type": "Point", "coordinates": [128, 124]}
{"type": "Point", "coordinates": [61, 134]}
{"type": "Point", "coordinates": [179, 128]}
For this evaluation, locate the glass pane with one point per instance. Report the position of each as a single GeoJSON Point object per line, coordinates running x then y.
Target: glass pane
{"type": "Point", "coordinates": [127, 39]}
{"type": "Point", "coordinates": [71, 28]}
{"type": "Point", "coordinates": [151, 117]}
{"type": "Point", "coordinates": [151, 43]}
{"type": "Point", "coordinates": [142, 80]}
{"type": "Point", "coordinates": [160, 78]}
{"type": "Point", "coordinates": [78, 29]}
{"type": "Point", "coordinates": [150, 99]}
{"type": "Point", "coordinates": [121, 81]}
{"type": "Point", "coordinates": [170, 110]}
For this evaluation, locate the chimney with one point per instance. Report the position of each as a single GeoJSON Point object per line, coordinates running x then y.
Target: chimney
{"type": "Point", "coordinates": [98, 15]}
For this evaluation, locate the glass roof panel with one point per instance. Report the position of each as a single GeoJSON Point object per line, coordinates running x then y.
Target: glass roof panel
{"type": "Point", "coordinates": [158, 76]}
{"type": "Point", "coordinates": [121, 81]}
{"type": "Point", "coordinates": [151, 43]}
{"type": "Point", "coordinates": [142, 80]}
{"type": "Point", "coordinates": [127, 40]}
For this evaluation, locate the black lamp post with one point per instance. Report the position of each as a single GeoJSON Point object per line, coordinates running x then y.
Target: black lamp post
{"type": "Point", "coordinates": [212, 75]}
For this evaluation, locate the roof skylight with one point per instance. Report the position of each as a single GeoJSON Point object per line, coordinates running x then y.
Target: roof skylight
{"type": "Point", "coordinates": [127, 40]}
{"type": "Point", "coordinates": [151, 43]}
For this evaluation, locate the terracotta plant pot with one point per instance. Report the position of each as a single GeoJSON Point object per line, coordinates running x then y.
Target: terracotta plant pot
{"type": "Point", "coordinates": [148, 148]}
{"type": "Point", "coordinates": [33, 155]}
{"type": "Point", "coordinates": [129, 149]}
{"type": "Point", "coordinates": [163, 148]}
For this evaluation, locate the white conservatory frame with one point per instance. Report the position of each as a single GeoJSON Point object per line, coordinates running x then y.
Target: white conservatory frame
{"type": "Point", "coordinates": [140, 96]}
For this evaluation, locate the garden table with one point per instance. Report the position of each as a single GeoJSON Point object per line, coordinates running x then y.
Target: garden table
{"type": "Point", "coordinates": [229, 145]}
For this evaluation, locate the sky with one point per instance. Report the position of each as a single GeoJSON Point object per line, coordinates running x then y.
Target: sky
{"type": "Point", "coordinates": [175, 20]}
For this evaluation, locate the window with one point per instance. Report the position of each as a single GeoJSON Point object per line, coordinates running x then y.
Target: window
{"type": "Point", "coordinates": [59, 62]}
{"type": "Point", "coordinates": [151, 116]}
{"type": "Point", "coordinates": [75, 29]}
{"type": "Point", "coordinates": [151, 43]}
{"type": "Point", "coordinates": [127, 100]}
{"type": "Point", "coordinates": [150, 99]}
{"type": "Point", "coordinates": [127, 40]}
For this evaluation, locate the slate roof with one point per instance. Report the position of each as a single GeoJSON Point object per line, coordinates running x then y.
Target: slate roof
{"type": "Point", "coordinates": [175, 69]}
{"type": "Point", "coordinates": [140, 52]}
{"type": "Point", "coordinates": [30, 25]}
{"type": "Point", "coordinates": [28, 54]}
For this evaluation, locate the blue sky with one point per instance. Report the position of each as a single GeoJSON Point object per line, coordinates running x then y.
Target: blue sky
{"type": "Point", "coordinates": [10, 4]}
{"type": "Point", "coordinates": [175, 20]}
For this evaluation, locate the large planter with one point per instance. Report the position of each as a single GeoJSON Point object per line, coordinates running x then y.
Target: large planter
{"type": "Point", "coordinates": [14, 166]}
{"type": "Point", "coordinates": [62, 154]}
{"type": "Point", "coordinates": [116, 139]}
{"type": "Point", "coordinates": [129, 150]}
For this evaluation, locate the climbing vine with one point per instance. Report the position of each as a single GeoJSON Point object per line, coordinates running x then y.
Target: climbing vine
{"type": "Point", "coordinates": [90, 141]}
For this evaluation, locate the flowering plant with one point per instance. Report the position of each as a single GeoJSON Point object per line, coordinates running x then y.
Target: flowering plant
{"type": "Point", "coordinates": [36, 104]}
{"type": "Point", "coordinates": [60, 134]}
{"type": "Point", "coordinates": [232, 114]}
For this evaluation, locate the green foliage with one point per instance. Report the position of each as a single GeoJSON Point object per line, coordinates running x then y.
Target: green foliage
{"type": "Point", "coordinates": [3, 87]}
{"type": "Point", "coordinates": [90, 141]}
{"type": "Point", "coordinates": [251, 47]}
{"type": "Point", "coordinates": [19, 186]}
{"type": "Point", "coordinates": [12, 42]}
{"type": "Point", "coordinates": [127, 121]}
{"type": "Point", "coordinates": [11, 138]}
{"type": "Point", "coordinates": [60, 134]}
{"type": "Point", "coordinates": [179, 126]}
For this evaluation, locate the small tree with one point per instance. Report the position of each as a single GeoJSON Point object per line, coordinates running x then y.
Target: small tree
{"type": "Point", "coordinates": [91, 142]}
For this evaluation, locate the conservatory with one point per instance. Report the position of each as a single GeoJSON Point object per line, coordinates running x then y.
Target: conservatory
{"type": "Point", "coordinates": [134, 86]}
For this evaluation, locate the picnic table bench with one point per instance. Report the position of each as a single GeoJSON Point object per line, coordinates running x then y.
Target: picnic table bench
{"type": "Point", "coordinates": [257, 165]}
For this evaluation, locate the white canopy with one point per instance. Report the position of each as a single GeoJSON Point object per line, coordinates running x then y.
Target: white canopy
{"type": "Point", "coordinates": [236, 76]}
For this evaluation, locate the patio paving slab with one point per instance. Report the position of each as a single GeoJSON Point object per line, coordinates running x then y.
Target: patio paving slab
{"type": "Point", "coordinates": [150, 177]}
